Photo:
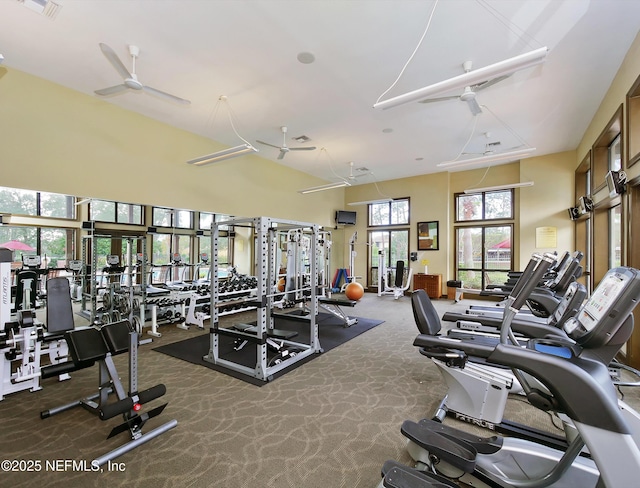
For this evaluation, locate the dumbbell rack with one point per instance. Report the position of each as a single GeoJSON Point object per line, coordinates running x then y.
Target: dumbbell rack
{"type": "Point", "coordinates": [131, 298]}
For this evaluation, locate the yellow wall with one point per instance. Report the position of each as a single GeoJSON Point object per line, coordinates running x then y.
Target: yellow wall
{"type": "Point", "coordinates": [543, 205]}
{"type": "Point", "coordinates": [58, 140]}
{"type": "Point", "coordinates": [616, 95]}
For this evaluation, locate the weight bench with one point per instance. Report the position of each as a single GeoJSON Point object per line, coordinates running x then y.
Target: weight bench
{"type": "Point", "coordinates": [332, 306]}
{"type": "Point", "coordinates": [90, 345]}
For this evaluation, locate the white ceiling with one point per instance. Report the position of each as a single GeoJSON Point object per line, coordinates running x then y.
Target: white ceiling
{"type": "Point", "coordinates": [247, 50]}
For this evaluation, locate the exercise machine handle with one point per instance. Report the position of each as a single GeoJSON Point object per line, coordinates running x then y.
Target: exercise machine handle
{"type": "Point", "coordinates": [529, 283]}
{"type": "Point", "coordinates": [524, 277]}
{"type": "Point", "coordinates": [537, 274]}
{"type": "Point", "coordinates": [122, 406]}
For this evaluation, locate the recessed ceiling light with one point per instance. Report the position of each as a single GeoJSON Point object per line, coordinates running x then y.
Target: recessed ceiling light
{"type": "Point", "coordinates": [306, 58]}
{"type": "Point", "coordinates": [387, 131]}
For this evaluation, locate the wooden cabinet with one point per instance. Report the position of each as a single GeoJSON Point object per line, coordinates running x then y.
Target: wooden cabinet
{"type": "Point", "coordinates": [431, 283]}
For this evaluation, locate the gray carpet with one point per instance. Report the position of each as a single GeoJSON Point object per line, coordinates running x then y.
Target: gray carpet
{"type": "Point", "coordinates": [330, 423]}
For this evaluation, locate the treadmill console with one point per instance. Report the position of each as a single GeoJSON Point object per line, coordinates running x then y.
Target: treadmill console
{"type": "Point", "coordinates": [31, 261]}
{"type": "Point", "coordinates": [607, 308]}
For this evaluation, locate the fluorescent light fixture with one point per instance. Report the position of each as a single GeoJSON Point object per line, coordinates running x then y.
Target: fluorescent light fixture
{"type": "Point", "coordinates": [370, 202]}
{"type": "Point", "coordinates": [512, 155]}
{"type": "Point", "coordinates": [502, 68]}
{"type": "Point", "coordinates": [499, 187]}
{"type": "Point", "coordinates": [232, 152]}
{"type": "Point", "coordinates": [330, 186]}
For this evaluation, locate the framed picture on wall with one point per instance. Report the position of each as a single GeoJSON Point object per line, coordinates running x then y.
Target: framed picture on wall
{"type": "Point", "coordinates": [428, 236]}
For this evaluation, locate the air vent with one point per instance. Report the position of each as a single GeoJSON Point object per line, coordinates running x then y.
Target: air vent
{"type": "Point", "coordinates": [46, 8]}
{"type": "Point", "coordinates": [301, 139]}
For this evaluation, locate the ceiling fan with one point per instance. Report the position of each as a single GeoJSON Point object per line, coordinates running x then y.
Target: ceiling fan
{"type": "Point", "coordinates": [284, 149]}
{"type": "Point", "coordinates": [469, 93]}
{"type": "Point", "coordinates": [130, 78]}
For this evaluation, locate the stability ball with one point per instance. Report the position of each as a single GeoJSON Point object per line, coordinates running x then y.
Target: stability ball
{"type": "Point", "coordinates": [354, 291]}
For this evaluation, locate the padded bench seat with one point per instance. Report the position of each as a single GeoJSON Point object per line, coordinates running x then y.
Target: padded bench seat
{"type": "Point", "coordinates": [275, 333]}
{"type": "Point", "coordinates": [338, 301]}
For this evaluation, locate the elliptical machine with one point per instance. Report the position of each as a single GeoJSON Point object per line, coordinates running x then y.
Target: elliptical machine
{"type": "Point", "coordinates": [556, 377]}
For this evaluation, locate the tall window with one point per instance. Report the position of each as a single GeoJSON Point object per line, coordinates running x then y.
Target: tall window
{"type": "Point", "coordinates": [615, 160]}
{"type": "Point", "coordinates": [484, 250]}
{"type": "Point", "coordinates": [391, 244]}
{"type": "Point", "coordinates": [225, 238]}
{"type": "Point", "coordinates": [615, 236]}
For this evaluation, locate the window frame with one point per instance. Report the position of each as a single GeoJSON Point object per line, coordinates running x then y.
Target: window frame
{"type": "Point", "coordinates": [390, 213]}
{"type": "Point", "coordinates": [116, 212]}
{"type": "Point", "coordinates": [483, 218]}
{"type": "Point", "coordinates": [70, 204]}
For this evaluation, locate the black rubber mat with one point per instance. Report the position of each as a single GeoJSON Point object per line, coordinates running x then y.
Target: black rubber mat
{"type": "Point", "coordinates": [331, 334]}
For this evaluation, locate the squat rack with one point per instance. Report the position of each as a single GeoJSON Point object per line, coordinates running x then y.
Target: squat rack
{"type": "Point", "coordinates": [266, 234]}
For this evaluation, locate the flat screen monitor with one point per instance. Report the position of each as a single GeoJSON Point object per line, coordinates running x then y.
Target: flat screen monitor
{"type": "Point", "coordinates": [345, 217]}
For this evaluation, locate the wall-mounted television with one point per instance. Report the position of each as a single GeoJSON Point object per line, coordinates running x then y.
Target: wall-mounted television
{"type": "Point", "coordinates": [345, 217]}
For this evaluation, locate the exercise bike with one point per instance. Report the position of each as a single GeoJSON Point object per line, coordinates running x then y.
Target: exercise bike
{"type": "Point", "coordinates": [556, 378]}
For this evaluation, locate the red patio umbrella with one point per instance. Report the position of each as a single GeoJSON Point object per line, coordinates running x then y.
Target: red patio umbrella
{"type": "Point", "coordinates": [17, 246]}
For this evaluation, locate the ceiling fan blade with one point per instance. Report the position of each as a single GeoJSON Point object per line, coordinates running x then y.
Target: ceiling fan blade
{"type": "Point", "coordinates": [112, 90]}
{"type": "Point", "coordinates": [166, 96]}
{"type": "Point", "coordinates": [267, 144]}
{"type": "Point", "coordinates": [491, 82]}
{"type": "Point", "coordinates": [113, 58]}
{"type": "Point", "coordinates": [440, 99]}
{"type": "Point", "coordinates": [306, 148]}
{"type": "Point", "coordinates": [473, 106]}
{"type": "Point", "coordinates": [282, 153]}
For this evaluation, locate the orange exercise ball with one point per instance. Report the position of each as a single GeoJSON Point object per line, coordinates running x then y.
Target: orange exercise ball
{"type": "Point", "coordinates": [354, 291]}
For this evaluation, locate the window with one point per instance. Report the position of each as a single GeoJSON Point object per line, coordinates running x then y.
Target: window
{"type": "Point", "coordinates": [168, 217]}
{"type": "Point", "coordinates": [615, 160]}
{"type": "Point", "coordinates": [117, 212]}
{"type": "Point", "coordinates": [395, 212]}
{"type": "Point", "coordinates": [53, 243]}
{"type": "Point", "coordinates": [484, 255]}
{"type": "Point", "coordinates": [40, 204]}
{"type": "Point", "coordinates": [205, 221]}
{"type": "Point", "coordinates": [391, 246]}
{"type": "Point", "coordinates": [162, 217]}
{"type": "Point", "coordinates": [615, 236]}
{"type": "Point", "coordinates": [484, 206]}
{"type": "Point", "coordinates": [606, 151]}
{"type": "Point", "coordinates": [484, 252]}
